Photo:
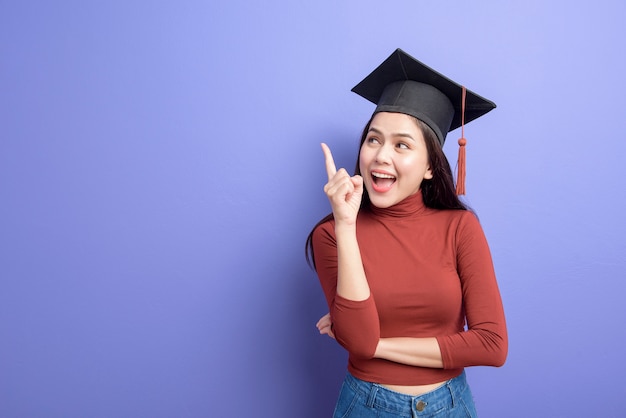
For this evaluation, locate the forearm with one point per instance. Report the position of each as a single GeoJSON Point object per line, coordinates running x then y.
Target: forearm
{"type": "Point", "coordinates": [351, 281]}
{"type": "Point", "coordinates": [354, 313]}
{"type": "Point", "coordinates": [352, 308]}
{"type": "Point", "coordinates": [423, 352]}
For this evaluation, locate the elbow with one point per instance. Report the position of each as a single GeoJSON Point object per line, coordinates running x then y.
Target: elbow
{"type": "Point", "coordinates": [499, 354]}
{"type": "Point", "coordinates": [363, 353]}
{"type": "Point", "coordinates": [496, 345]}
{"type": "Point", "coordinates": [502, 354]}
{"type": "Point", "coordinates": [356, 326]}
{"type": "Point", "coordinates": [494, 349]}
{"type": "Point", "coordinates": [360, 342]}
{"type": "Point", "coordinates": [358, 346]}
{"type": "Point", "coordinates": [499, 358]}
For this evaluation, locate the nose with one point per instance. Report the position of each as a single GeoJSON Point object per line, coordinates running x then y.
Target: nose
{"type": "Point", "coordinates": [383, 156]}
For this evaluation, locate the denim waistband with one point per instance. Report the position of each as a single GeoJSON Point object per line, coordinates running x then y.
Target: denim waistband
{"type": "Point", "coordinates": [444, 397]}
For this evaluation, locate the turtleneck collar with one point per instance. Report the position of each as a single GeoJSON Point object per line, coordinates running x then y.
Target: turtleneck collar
{"type": "Point", "coordinates": [410, 206]}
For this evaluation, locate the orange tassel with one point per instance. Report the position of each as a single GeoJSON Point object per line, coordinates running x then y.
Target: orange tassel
{"type": "Point", "coordinates": [460, 179]}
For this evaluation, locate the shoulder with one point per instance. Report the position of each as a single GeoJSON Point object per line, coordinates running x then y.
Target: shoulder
{"type": "Point", "coordinates": [469, 232]}
{"type": "Point", "coordinates": [468, 220]}
{"type": "Point", "coordinates": [462, 224]}
{"type": "Point", "coordinates": [455, 217]}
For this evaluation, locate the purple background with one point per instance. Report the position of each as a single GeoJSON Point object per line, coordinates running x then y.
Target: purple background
{"type": "Point", "coordinates": [160, 169]}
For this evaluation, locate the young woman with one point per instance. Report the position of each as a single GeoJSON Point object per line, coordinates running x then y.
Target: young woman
{"type": "Point", "coordinates": [404, 266]}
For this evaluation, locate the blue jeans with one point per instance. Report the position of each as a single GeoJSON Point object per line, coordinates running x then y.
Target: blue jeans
{"type": "Point", "coordinates": [364, 399]}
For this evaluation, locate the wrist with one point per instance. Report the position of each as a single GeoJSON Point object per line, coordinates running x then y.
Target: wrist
{"type": "Point", "coordinates": [345, 226]}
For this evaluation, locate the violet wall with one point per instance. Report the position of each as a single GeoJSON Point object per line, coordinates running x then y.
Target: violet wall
{"type": "Point", "coordinates": [160, 170]}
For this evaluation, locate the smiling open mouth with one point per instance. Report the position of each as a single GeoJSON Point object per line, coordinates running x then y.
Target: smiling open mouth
{"type": "Point", "coordinates": [382, 182]}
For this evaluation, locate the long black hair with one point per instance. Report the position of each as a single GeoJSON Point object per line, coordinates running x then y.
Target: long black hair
{"type": "Point", "coordinates": [438, 192]}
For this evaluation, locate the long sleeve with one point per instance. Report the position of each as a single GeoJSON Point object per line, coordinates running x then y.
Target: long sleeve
{"type": "Point", "coordinates": [485, 341]}
{"type": "Point", "coordinates": [355, 323]}
{"type": "Point", "coordinates": [430, 274]}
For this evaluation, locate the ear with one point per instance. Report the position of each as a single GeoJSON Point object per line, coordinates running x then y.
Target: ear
{"type": "Point", "coordinates": [428, 175]}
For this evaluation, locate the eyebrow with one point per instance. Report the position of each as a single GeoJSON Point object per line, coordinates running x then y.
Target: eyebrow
{"type": "Point", "coordinates": [397, 134]}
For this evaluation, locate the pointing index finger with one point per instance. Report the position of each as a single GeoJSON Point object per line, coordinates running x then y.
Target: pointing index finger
{"type": "Point", "coordinates": [331, 169]}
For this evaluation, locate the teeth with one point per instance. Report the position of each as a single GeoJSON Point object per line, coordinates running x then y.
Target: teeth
{"type": "Point", "coordinates": [383, 176]}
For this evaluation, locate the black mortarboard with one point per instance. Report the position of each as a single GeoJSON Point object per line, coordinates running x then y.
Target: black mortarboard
{"type": "Point", "coordinates": [402, 84]}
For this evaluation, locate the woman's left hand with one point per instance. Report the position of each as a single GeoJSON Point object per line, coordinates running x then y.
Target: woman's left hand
{"type": "Point", "coordinates": [324, 325]}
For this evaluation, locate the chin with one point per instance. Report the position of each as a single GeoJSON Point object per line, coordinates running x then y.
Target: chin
{"type": "Point", "coordinates": [382, 202]}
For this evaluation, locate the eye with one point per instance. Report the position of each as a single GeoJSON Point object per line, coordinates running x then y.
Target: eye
{"type": "Point", "coordinates": [373, 140]}
{"type": "Point", "coordinates": [402, 145]}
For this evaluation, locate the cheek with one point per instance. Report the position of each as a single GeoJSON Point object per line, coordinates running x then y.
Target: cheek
{"type": "Point", "coordinates": [414, 166]}
{"type": "Point", "coordinates": [363, 160]}
{"type": "Point", "coordinates": [408, 163]}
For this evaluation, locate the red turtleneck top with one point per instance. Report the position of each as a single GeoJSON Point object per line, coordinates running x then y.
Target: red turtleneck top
{"type": "Point", "coordinates": [430, 274]}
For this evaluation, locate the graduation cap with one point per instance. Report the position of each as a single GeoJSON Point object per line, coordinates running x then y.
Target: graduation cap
{"type": "Point", "coordinates": [403, 84]}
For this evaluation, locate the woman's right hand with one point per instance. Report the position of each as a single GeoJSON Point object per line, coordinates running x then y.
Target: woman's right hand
{"type": "Point", "coordinates": [343, 192]}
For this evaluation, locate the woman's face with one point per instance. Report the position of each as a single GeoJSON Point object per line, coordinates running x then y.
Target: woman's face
{"type": "Point", "coordinates": [393, 159]}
